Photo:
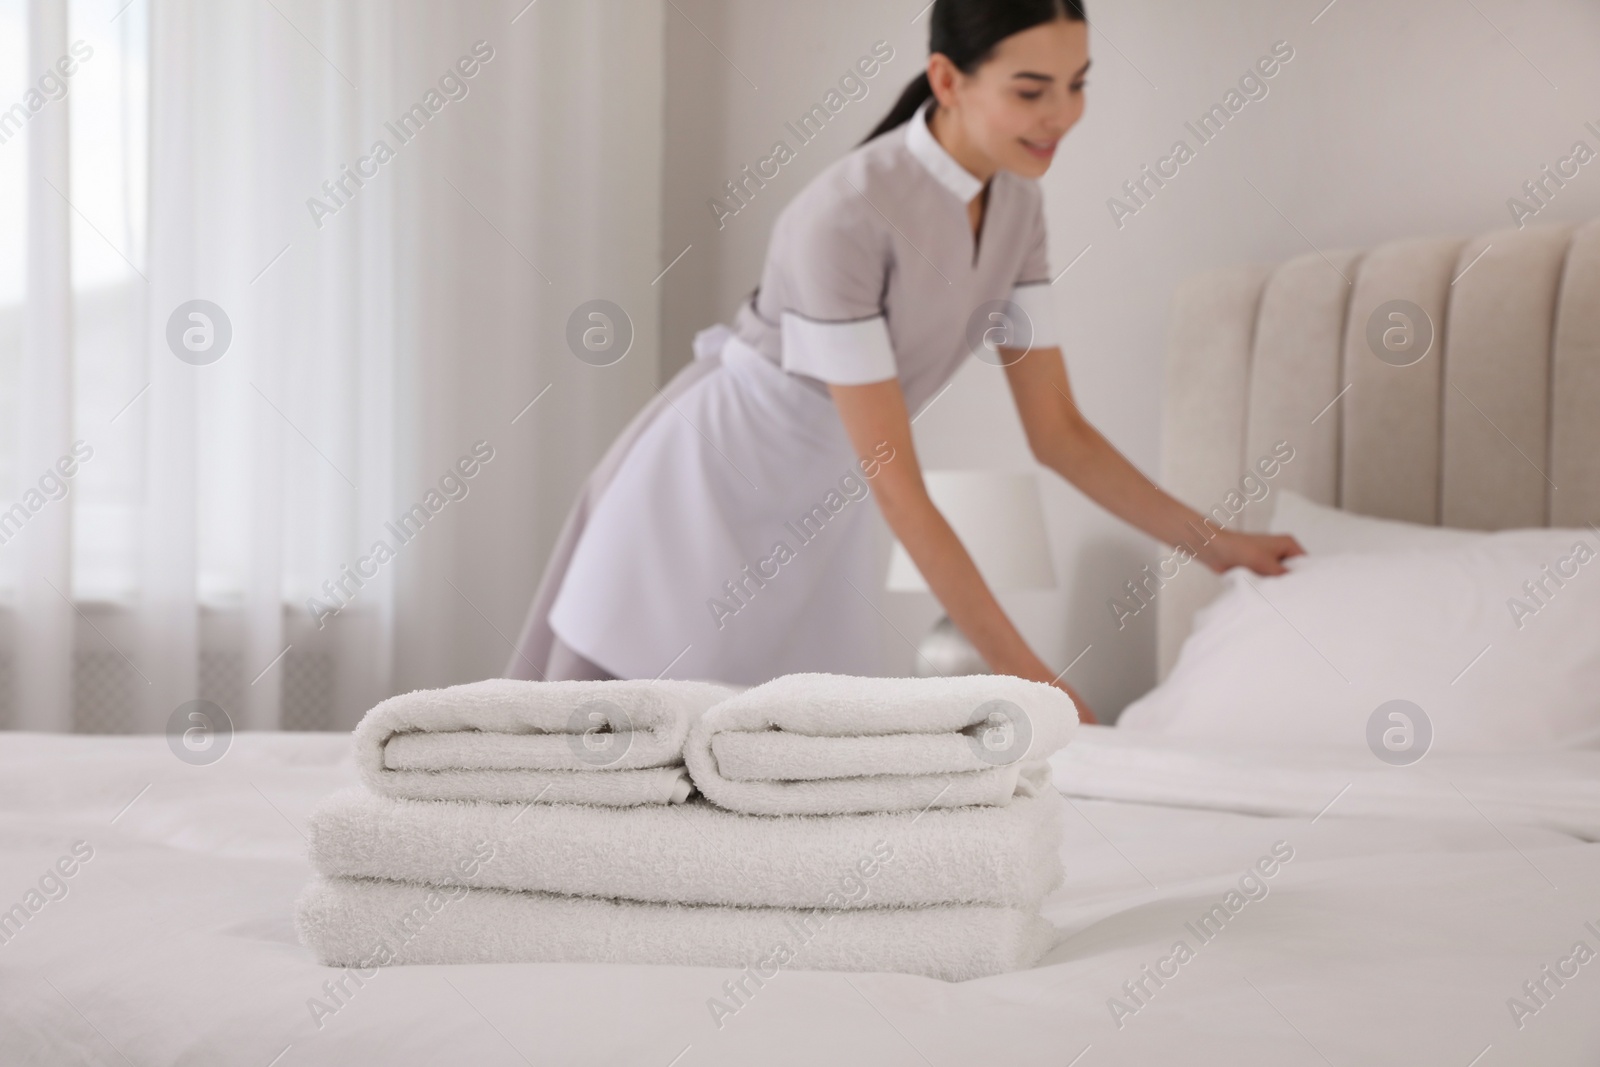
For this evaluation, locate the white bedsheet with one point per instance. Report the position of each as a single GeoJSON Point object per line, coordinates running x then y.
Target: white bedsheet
{"type": "Point", "coordinates": [1395, 935]}
{"type": "Point", "coordinates": [1559, 788]}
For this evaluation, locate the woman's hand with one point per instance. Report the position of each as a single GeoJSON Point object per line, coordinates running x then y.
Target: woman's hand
{"type": "Point", "coordinates": [1062, 439]}
{"type": "Point", "coordinates": [1085, 713]}
{"type": "Point", "coordinates": [1262, 553]}
{"type": "Point", "coordinates": [1036, 670]}
{"type": "Point", "coordinates": [875, 418]}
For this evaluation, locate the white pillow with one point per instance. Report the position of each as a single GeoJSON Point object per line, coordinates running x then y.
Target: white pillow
{"type": "Point", "coordinates": [1306, 658]}
{"type": "Point", "coordinates": [1321, 529]}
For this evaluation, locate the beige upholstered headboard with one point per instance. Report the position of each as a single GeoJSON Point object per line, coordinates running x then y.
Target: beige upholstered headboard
{"type": "Point", "coordinates": [1497, 426]}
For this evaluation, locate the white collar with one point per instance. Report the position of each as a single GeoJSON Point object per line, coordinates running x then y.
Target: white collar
{"type": "Point", "coordinates": [940, 163]}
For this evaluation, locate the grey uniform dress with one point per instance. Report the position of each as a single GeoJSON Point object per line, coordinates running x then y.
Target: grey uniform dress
{"type": "Point", "coordinates": [725, 535]}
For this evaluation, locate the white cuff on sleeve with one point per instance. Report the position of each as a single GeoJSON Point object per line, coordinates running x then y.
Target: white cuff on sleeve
{"type": "Point", "coordinates": [840, 353]}
{"type": "Point", "coordinates": [1035, 300]}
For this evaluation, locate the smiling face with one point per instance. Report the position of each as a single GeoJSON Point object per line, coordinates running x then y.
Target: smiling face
{"type": "Point", "coordinates": [1011, 111]}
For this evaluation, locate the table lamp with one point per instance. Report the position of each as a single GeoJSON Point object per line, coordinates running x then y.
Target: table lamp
{"type": "Point", "coordinates": [999, 518]}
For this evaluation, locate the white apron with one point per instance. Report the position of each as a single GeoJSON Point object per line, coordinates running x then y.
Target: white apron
{"type": "Point", "coordinates": [720, 537]}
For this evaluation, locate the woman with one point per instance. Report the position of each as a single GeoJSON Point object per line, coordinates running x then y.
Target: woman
{"type": "Point", "coordinates": [724, 535]}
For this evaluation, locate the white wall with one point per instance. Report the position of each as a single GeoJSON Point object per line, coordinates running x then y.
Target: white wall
{"type": "Point", "coordinates": [1391, 120]}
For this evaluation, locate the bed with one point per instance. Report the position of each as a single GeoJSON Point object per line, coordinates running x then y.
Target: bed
{"type": "Point", "coordinates": [1370, 913]}
{"type": "Point", "coordinates": [1387, 938]}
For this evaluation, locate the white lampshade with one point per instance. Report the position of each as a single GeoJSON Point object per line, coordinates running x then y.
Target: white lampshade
{"type": "Point", "coordinates": [1000, 520]}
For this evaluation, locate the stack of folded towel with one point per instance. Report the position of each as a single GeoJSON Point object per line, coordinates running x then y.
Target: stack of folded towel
{"type": "Point", "coordinates": [842, 823]}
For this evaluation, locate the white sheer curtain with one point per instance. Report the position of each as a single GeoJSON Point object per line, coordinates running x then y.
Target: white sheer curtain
{"type": "Point", "coordinates": [44, 617]}
{"type": "Point", "coordinates": [380, 329]}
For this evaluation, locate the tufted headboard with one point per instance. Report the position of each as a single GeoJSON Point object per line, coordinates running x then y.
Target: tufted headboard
{"type": "Point", "coordinates": [1497, 425]}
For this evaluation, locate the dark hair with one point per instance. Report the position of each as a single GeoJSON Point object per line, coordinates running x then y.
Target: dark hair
{"type": "Point", "coordinates": [967, 32]}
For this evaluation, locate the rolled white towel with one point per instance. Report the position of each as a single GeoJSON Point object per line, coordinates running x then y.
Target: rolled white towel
{"type": "Point", "coordinates": [364, 924]}
{"type": "Point", "coordinates": [825, 744]}
{"type": "Point", "coordinates": [696, 853]}
{"type": "Point", "coordinates": [615, 743]}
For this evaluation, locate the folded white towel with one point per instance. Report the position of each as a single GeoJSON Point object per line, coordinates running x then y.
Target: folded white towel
{"type": "Point", "coordinates": [825, 744]}
{"type": "Point", "coordinates": [616, 743]}
{"type": "Point", "coordinates": [696, 853]}
{"type": "Point", "coordinates": [362, 924]}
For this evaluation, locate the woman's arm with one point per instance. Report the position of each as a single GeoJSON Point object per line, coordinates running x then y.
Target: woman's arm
{"type": "Point", "coordinates": [1063, 440]}
{"type": "Point", "coordinates": [874, 413]}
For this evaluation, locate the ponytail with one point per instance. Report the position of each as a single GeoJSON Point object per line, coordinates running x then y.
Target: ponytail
{"type": "Point", "coordinates": [967, 32]}
{"type": "Point", "coordinates": [916, 94]}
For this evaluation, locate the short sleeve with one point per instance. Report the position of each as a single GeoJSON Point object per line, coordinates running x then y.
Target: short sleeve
{"type": "Point", "coordinates": [1032, 291]}
{"type": "Point", "coordinates": [833, 270]}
